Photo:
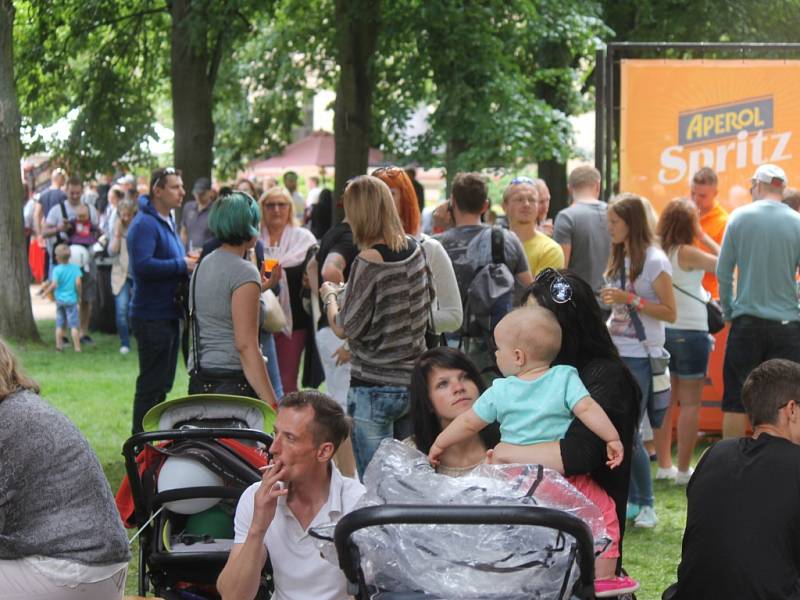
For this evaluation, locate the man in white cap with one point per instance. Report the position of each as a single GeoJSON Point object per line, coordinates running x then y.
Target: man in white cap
{"type": "Point", "coordinates": [762, 241]}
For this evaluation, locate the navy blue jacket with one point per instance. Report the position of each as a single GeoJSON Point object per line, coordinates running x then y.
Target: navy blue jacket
{"type": "Point", "coordinates": [156, 256]}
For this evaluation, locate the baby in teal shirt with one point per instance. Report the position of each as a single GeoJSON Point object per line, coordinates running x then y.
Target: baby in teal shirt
{"type": "Point", "coordinates": [535, 403]}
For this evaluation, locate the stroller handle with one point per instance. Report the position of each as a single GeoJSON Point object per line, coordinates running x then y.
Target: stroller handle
{"type": "Point", "coordinates": [424, 514]}
{"type": "Point", "coordinates": [178, 435]}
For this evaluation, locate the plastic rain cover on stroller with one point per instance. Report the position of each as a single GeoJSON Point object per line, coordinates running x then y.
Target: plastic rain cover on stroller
{"type": "Point", "coordinates": [467, 561]}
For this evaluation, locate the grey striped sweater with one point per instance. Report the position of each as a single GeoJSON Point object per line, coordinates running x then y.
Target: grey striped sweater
{"type": "Point", "coordinates": [385, 311]}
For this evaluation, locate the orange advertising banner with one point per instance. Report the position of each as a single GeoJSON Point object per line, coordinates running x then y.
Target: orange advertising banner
{"type": "Point", "coordinates": [731, 115]}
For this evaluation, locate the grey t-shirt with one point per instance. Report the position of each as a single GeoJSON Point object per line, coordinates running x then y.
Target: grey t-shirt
{"type": "Point", "coordinates": [584, 226]}
{"type": "Point", "coordinates": [217, 277]}
{"type": "Point", "coordinates": [54, 498]}
{"type": "Point", "coordinates": [470, 247]}
{"type": "Point", "coordinates": [195, 221]}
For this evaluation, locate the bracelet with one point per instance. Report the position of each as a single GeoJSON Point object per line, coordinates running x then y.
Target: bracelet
{"type": "Point", "coordinates": [638, 303]}
{"type": "Point", "coordinates": [326, 300]}
{"type": "Point", "coordinates": [631, 298]}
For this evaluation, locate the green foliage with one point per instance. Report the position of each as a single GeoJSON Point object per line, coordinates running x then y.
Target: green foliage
{"type": "Point", "coordinates": [100, 62]}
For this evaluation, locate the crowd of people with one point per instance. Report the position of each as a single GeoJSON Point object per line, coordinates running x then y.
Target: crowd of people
{"type": "Point", "coordinates": [565, 342]}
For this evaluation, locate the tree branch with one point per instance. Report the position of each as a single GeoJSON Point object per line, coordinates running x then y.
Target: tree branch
{"type": "Point", "coordinates": [142, 13]}
{"type": "Point", "coordinates": [216, 58]}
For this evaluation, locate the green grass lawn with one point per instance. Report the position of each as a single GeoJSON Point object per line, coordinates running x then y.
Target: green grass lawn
{"type": "Point", "coordinates": [95, 389]}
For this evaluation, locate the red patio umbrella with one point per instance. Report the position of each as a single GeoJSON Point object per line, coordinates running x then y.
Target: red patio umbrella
{"type": "Point", "coordinates": [315, 150]}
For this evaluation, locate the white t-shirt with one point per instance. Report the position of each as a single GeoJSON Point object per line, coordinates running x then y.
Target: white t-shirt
{"type": "Point", "coordinates": [299, 571]}
{"type": "Point", "coordinates": [620, 324]}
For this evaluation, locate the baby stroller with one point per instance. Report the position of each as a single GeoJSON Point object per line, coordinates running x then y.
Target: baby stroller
{"type": "Point", "coordinates": [572, 530]}
{"type": "Point", "coordinates": [184, 476]}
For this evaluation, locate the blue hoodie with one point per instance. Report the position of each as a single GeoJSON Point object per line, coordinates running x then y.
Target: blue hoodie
{"type": "Point", "coordinates": [157, 264]}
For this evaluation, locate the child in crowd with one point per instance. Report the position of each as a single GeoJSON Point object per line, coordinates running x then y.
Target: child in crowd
{"type": "Point", "coordinates": [66, 281]}
{"type": "Point", "coordinates": [535, 403]}
{"type": "Point", "coordinates": [83, 232]}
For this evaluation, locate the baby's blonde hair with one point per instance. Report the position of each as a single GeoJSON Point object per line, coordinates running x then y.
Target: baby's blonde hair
{"type": "Point", "coordinates": [535, 331]}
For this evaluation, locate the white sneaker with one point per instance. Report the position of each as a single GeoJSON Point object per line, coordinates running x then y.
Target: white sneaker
{"type": "Point", "coordinates": [669, 473]}
{"type": "Point", "coordinates": [646, 518]}
{"type": "Point", "coordinates": [124, 349]}
{"type": "Point", "coordinates": [683, 477]}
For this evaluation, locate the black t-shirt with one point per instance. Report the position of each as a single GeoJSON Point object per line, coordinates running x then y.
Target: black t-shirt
{"type": "Point", "coordinates": [338, 240]}
{"type": "Point", "coordinates": [611, 385]}
{"type": "Point", "coordinates": [742, 537]}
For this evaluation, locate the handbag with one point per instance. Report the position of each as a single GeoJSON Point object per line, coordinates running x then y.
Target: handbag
{"type": "Point", "coordinates": [660, 385]}
{"type": "Point", "coordinates": [212, 381]}
{"type": "Point", "coordinates": [274, 318]}
{"type": "Point", "coordinates": [716, 322]}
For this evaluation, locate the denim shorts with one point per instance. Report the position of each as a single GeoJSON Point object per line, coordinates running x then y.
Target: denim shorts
{"type": "Point", "coordinates": [689, 350]}
{"type": "Point", "coordinates": [67, 316]}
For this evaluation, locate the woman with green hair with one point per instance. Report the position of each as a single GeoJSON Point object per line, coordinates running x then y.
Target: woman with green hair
{"type": "Point", "coordinates": [225, 307]}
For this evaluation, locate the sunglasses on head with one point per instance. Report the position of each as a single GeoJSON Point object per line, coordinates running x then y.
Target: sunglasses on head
{"type": "Point", "coordinates": [560, 288]}
{"type": "Point", "coordinates": [387, 170]}
{"type": "Point", "coordinates": [163, 175]}
{"type": "Point", "coordinates": [521, 181]}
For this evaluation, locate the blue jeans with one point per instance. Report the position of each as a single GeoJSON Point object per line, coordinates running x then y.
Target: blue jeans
{"type": "Point", "coordinates": [121, 303]}
{"type": "Point", "coordinates": [641, 490]}
{"type": "Point", "coordinates": [267, 343]}
{"type": "Point", "coordinates": [157, 344]}
{"type": "Point", "coordinates": [377, 413]}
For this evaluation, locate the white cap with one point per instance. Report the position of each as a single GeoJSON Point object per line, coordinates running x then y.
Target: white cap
{"type": "Point", "coordinates": [771, 175]}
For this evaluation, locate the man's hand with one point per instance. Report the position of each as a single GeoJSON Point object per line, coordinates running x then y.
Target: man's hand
{"type": "Point", "coordinates": [265, 500]}
{"type": "Point", "coordinates": [342, 355]}
{"type": "Point", "coordinates": [615, 452]}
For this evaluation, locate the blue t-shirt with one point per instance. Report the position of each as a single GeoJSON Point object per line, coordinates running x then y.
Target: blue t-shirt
{"type": "Point", "coordinates": [65, 277]}
{"type": "Point", "coordinates": [532, 412]}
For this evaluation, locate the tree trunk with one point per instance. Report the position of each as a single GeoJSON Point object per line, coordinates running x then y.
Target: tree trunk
{"type": "Point", "coordinates": [192, 77]}
{"type": "Point", "coordinates": [357, 24]}
{"type": "Point", "coordinates": [554, 55]}
{"type": "Point", "coordinates": [16, 314]}
{"type": "Point", "coordinates": [454, 148]}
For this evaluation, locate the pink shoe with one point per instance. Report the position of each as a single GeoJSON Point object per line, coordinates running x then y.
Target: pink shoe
{"type": "Point", "coordinates": [616, 586]}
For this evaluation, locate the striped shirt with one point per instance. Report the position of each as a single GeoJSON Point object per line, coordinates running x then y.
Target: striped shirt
{"type": "Point", "coordinates": [385, 311]}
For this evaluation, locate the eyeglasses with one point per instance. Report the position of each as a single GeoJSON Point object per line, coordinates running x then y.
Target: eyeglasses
{"type": "Point", "coordinates": [275, 205]}
{"type": "Point", "coordinates": [560, 288]}
{"type": "Point", "coordinates": [163, 175]}
{"type": "Point", "coordinates": [388, 170]}
{"type": "Point", "coordinates": [522, 180]}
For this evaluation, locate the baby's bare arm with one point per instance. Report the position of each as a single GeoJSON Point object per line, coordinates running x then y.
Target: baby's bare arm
{"type": "Point", "coordinates": [595, 418]}
{"type": "Point", "coordinates": [465, 425]}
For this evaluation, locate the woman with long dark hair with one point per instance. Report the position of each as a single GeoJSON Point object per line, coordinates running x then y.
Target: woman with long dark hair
{"type": "Point", "coordinates": [444, 384]}
{"type": "Point", "coordinates": [587, 346]}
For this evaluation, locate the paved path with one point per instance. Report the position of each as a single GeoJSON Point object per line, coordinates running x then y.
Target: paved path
{"type": "Point", "coordinates": [43, 308]}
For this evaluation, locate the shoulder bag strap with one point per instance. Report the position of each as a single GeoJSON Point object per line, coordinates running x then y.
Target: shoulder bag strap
{"type": "Point", "coordinates": [431, 292]}
{"type": "Point", "coordinates": [703, 302]}
{"type": "Point", "coordinates": [193, 320]}
{"type": "Point", "coordinates": [498, 246]}
{"type": "Point", "coordinates": [637, 322]}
